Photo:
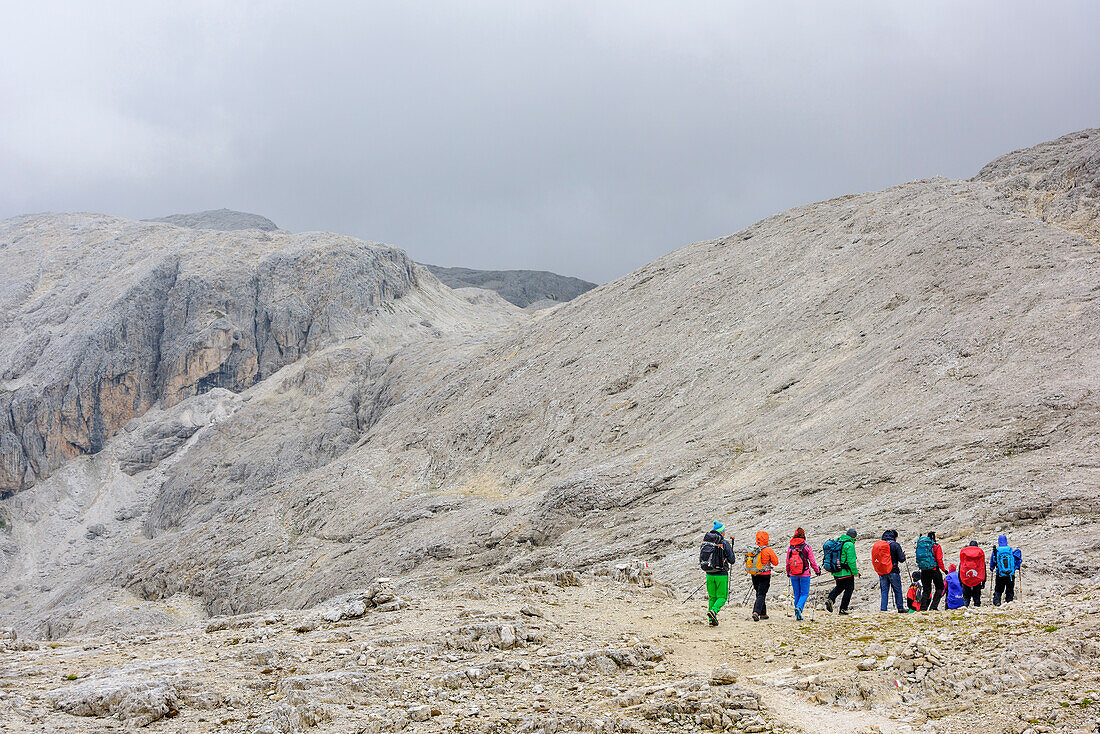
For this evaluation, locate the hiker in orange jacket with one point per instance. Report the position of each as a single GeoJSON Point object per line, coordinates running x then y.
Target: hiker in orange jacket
{"type": "Point", "coordinates": [759, 562]}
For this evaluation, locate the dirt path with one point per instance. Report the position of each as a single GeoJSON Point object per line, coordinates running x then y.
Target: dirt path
{"type": "Point", "coordinates": [812, 719]}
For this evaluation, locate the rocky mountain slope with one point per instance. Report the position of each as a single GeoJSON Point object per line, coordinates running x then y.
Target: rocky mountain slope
{"type": "Point", "coordinates": [1057, 182]}
{"type": "Point", "coordinates": [924, 358]}
{"type": "Point", "coordinates": [521, 287]}
{"type": "Point", "coordinates": [103, 318]}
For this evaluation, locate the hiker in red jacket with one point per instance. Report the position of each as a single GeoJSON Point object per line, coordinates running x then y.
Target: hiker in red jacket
{"type": "Point", "coordinates": [932, 571]}
{"type": "Point", "coordinates": [800, 559]}
{"type": "Point", "coordinates": [972, 573]}
{"type": "Point", "coordinates": [912, 597]}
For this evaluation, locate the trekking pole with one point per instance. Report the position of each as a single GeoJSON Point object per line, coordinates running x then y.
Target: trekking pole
{"type": "Point", "coordinates": [694, 592]}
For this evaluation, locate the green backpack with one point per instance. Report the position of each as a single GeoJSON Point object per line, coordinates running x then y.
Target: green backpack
{"type": "Point", "coordinates": [926, 555]}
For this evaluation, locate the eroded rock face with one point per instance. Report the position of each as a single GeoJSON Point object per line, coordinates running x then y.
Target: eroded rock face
{"type": "Point", "coordinates": [104, 317]}
{"type": "Point", "coordinates": [1057, 181]}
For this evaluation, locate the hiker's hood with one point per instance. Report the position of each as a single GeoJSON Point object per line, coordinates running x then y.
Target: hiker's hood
{"type": "Point", "coordinates": [846, 538]}
{"type": "Point", "coordinates": [1002, 540]}
{"type": "Point", "coordinates": [761, 538]}
{"type": "Point", "coordinates": [797, 541]}
{"type": "Point", "coordinates": [890, 535]}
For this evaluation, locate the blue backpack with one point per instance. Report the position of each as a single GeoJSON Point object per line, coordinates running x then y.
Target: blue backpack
{"type": "Point", "coordinates": [926, 557]}
{"type": "Point", "coordinates": [830, 555]}
{"type": "Point", "coordinates": [1006, 561]}
{"type": "Point", "coordinates": [954, 597]}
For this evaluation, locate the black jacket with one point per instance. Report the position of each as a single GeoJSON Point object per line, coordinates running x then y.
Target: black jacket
{"type": "Point", "coordinates": [897, 555]}
{"type": "Point", "coordinates": [727, 550]}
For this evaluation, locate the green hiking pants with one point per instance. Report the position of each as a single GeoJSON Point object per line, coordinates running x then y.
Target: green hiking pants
{"type": "Point", "coordinates": [718, 588]}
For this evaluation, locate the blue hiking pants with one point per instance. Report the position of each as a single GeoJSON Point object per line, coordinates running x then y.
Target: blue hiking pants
{"type": "Point", "coordinates": [885, 584]}
{"type": "Point", "coordinates": [800, 585]}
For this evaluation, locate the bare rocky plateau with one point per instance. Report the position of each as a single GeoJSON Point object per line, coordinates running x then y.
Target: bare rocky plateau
{"type": "Point", "coordinates": [210, 440]}
{"type": "Point", "coordinates": [562, 652]}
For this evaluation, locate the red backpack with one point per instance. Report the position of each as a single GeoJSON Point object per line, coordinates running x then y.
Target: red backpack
{"type": "Point", "coordinates": [797, 560]}
{"type": "Point", "coordinates": [881, 557]}
{"type": "Point", "coordinates": [971, 565]}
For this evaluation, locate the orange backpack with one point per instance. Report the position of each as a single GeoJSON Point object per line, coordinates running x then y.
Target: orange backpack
{"type": "Point", "coordinates": [881, 558]}
{"type": "Point", "coordinates": [752, 560]}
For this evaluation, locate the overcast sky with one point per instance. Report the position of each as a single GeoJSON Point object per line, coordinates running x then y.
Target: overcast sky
{"type": "Point", "coordinates": [581, 137]}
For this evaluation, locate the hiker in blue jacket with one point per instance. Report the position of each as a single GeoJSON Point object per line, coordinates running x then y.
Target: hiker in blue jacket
{"type": "Point", "coordinates": [1004, 561]}
{"type": "Point", "coordinates": [953, 597]}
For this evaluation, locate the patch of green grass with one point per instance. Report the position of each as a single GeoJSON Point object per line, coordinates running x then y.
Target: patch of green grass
{"type": "Point", "coordinates": [1050, 628]}
{"type": "Point", "coordinates": [54, 645]}
{"type": "Point", "coordinates": [71, 676]}
{"type": "Point", "coordinates": [1085, 702]}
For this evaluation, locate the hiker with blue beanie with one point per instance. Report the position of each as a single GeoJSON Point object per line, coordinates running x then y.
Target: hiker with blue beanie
{"type": "Point", "coordinates": [1004, 561]}
{"type": "Point", "coordinates": [715, 557]}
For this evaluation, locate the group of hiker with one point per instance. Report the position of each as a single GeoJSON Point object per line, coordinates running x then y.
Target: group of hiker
{"type": "Point", "coordinates": [957, 585]}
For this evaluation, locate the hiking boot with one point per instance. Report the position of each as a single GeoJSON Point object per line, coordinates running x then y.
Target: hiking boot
{"type": "Point", "coordinates": [829, 605]}
{"type": "Point", "coordinates": [755, 617]}
{"type": "Point", "coordinates": [843, 611]}
{"type": "Point", "coordinates": [763, 616]}
{"type": "Point", "coordinates": [713, 619]}
{"type": "Point", "coordinates": [798, 614]}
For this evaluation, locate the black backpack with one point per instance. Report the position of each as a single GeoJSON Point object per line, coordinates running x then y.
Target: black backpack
{"type": "Point", "coordinates": [712, 556]}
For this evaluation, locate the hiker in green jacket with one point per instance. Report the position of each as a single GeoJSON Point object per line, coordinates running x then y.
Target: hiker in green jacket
{"type": "Point", "coordinates": [845, 575]}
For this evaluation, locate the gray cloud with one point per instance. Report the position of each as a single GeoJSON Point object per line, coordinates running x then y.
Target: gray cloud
{"type": "Point", "coordinates": [586, 138]}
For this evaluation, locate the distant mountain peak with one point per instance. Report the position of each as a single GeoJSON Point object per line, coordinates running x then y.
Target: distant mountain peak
{"type": "Point", "coordinates": [220, 219]}
{"type": "Point", "coordinates": [521, 287]}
